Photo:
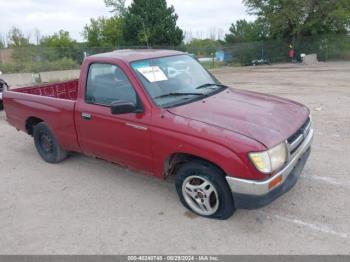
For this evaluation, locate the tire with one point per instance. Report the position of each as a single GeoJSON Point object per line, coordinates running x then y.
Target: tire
{"type": "Point", "coordinates": [202, 188]}
{"type": "Point", "coordinates": [46, 144]}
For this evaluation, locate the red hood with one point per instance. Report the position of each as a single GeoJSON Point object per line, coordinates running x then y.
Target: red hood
{"type": "Point", "coordinates": [267, 119]}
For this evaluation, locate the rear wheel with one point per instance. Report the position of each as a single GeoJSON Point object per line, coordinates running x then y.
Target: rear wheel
{"type": "Point", "coordinates": [47, 145]}
{"type": "Point", "coordinates": [202, 188]}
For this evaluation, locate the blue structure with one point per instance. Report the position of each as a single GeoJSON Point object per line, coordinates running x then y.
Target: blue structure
{"type": "Point", "coordinates": [223, 56]}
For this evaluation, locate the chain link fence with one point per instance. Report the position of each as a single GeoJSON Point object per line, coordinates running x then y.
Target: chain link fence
{"type": "Point", "coordinates": [327, 48]}
{"type": "Point", "coordinates": [36, 59]}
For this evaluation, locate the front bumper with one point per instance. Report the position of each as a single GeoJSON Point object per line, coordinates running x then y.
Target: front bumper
{"type": "Point", "coordinates": [250, 194]}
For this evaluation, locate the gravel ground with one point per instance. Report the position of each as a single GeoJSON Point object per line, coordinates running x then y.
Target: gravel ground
{"type": "Point", "coordinates": [88, 206]}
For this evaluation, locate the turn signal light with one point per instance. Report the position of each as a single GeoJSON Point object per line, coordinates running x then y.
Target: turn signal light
{"type": "Point", "coordinates": [275, 182]}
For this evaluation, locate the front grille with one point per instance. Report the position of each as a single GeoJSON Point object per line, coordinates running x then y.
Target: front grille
{"type": "Point", "coordinates": [298, 137]}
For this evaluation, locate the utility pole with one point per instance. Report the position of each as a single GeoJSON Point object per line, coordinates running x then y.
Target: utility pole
{"type": "Point", "coordinates": [145, 34]}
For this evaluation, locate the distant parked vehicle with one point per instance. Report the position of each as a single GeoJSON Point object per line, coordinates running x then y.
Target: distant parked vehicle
{"type": "Point", "coordinates": [3, 86]}
{"type": "Point", "coordinates": [256, 62]}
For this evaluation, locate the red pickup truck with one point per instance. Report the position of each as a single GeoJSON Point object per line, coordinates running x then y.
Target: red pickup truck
{"type": "Point", "coordinates": [160, 112]}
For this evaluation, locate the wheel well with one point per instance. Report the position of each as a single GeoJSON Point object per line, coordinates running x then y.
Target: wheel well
{"type": "Point", "coordinates": [31, 123]}
{"type": "Point", "coordinates": [174, 161]}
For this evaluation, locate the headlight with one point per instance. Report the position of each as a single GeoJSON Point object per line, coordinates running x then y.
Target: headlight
{"type": "Point", "coordinates": [270, 160]}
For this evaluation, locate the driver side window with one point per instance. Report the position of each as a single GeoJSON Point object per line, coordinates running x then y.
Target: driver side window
{"type": "Point", "coordinates": [107, 83]}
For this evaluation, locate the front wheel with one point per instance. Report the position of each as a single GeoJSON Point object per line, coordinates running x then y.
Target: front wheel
{"type": "Point", "coordinates": [47, 145]}
{"type": "Point", "coordinates": [202, 188]}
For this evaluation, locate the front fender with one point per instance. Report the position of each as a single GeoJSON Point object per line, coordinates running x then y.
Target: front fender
{"type": "Point", "coordinates": [168, 142]}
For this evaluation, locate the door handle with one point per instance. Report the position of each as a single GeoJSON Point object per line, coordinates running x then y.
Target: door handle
{"type": "Point", "coordinates": [86, 116]}
{"type": "Point", "coordinates": [137, 127]}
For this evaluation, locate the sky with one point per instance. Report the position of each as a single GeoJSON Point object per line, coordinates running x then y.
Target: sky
{"type": "Point", "coordinates": [197, 17]}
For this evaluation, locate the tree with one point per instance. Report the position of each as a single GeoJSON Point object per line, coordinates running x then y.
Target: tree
{"type": "Point", "coordinates": [206, 47]}
{"type": "Point", "coordinates": [118, 7]}
{"type": "Point", "coordinates": [296, 18]}
{"type": "Point", "coordinates": [59, 45]}
{"type": "Point", "coordinates": [17, 39]}
{"type": "Point", "coordinates": [2, 42]}
{"type": "Point", "coordinates": [104, 32]}
{"type": "Point", "coordinates": [243, 31]}
{"type": "Point", "coordinates": [151, 22]}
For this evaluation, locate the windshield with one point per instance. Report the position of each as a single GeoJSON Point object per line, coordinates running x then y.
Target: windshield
{"type": "Point", "coordinates": [175, 80]}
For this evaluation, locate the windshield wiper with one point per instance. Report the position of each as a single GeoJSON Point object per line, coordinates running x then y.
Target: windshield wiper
{"type": "Point", "coordinates": [209, 85]}
{"type": "Point", "coordinates": [180, 94]}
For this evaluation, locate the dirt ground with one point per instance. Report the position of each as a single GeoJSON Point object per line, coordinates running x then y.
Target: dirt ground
{"type": "Point", "coordinates": [87, 206]}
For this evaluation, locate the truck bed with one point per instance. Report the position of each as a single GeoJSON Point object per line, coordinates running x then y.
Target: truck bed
{"type": "Point", "coordinates": [64, 90]}
{"type": "Point", "coordinates": [53, 104]}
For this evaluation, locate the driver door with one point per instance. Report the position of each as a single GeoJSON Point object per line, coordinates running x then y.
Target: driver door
{"type": "Point", "coordinates": [123, 139]}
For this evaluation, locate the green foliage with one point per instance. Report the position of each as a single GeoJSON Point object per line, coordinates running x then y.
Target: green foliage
{"type": "Point", "coordinates": [243, 31]}
{"type": "Point", "coordinates": [151, 22]}
{"type": "Point", "coordinates": [59, 45]}
{"type": "Point", "coordinates": [17, 39]}
{"type": "Point", "coordinates": [242, 53]}
{"type": "Point", "coordinates": [206, 47]}
{"type": "Point", "coordinates": [60, 64]}
{"type": "Point", "coordinates": [327, 48]}
{"type": "Point", "coordinates": [104, 32]}
{"type": "Point", "coordinates": [312, 26]}
{"type": "Point", "coordinates": [2, 42]}
{"type": "Point", "coordinates": [23, 54]}
{"type": "Point", "coordinates": [336, 48]}
{"type": "Point", "coordinates": [118, 7]}
{"type": "Point", "coordinates": [295, 18]}
{"type": "Point", "coordinates": [20, 43]}
{"type": "Point", "coordinates": [35, 67]}
{"type": "Point", "coordinates": [56, 52]}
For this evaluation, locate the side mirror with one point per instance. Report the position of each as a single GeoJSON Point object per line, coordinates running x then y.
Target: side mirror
{"type": "Point", "coordinates": [123, 107]}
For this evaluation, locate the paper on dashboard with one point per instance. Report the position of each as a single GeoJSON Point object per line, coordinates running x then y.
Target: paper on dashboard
{"type": "Point", "coordinates": [153, 73]}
